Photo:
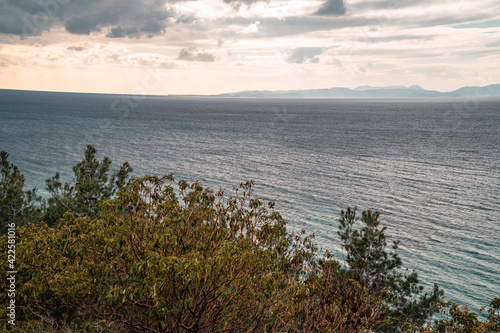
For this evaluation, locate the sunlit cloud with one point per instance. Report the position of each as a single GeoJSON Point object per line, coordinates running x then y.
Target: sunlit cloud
{"type": "Point", "coordinates": [251, 29]}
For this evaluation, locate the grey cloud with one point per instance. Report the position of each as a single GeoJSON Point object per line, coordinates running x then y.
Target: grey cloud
{"type": "Point", "coordinates": [192, 54]}
{"type": "Point", "coordinates": [13, 20]}
{"type": "Point", "coordinates": [332, 8]}
{"type": "Point", "coordinates": [9, 23]}
{"type": "Point", "coordinates": [116, 32]}
{"type": "Point", "coordinates": [386, 39]}
{"type": "Point", "coordinates": [150, 61]}
{"type": "Point", "coordinates": [185, 20]}
{"type": "Point", "coordinates": [138, 18]}
{"type": "Point", "coordinates": [335, 62]}
{"type": "Point", "coordinates": [305, 54]}
{"type": "Point", "coordinates": [447, 20]}
{"type": "Point", "coordinates": [76, 47]}
{"type": "Point", "coordinates": [134, 32]}
{"type": "Point", "coordinates": [27, 6]}
{"type": "Point", "coordinates": [388, 5]}
{"type": "Point", "coordinates": [168, 65]}
{"type": "Point", "coordinates": [129, 19]}
{"type": "Point", "coordinates": [237, 3]}
{"type": "Point", "coordinates": [3, 64]}
{"type": "Point", "coordinates": [122, 18]}
{"type": "Point", "coordinates": [295, 25]}
{"type": "Point", "coordinates": [84, 25]}
{"type": "Point", "coordinates": [441, 72]}
{"type": "Point", "coordinates": [493, 44]}
{"type": "Point", "coordinates": [480, 25]}
{"type": "Point", "coordinates": [248, 2]}
{"type": "Point", "coordinates": [419, 55]}
{"type": "Point", "coordinates": [479, 53]}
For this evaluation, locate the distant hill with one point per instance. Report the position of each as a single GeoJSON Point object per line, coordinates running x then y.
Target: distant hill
{"type": "Point", "coordinates": [372, 93]}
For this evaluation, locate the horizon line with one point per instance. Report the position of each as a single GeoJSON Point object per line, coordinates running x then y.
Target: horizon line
{"type": "Point", "coordinates": [257, 90]}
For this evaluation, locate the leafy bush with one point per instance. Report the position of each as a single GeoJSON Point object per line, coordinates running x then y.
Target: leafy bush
{"type": "Point", "coordinates": [153, 262]}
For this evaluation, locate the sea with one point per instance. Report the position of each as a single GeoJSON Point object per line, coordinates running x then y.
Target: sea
{"type": "Point", "coordinates": [430, 167]}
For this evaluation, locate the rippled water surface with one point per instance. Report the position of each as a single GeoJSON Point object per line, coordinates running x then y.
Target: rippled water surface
{"type": "Point", "coordinates": [430, 167]}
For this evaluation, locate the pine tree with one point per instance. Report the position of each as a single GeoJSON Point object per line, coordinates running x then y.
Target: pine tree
{"type": "Point", "coordinates": [381, 271]}
{"type": "Point", "coordinates": [16, 205]}
{"type": "Point", "coordinates": [90, 185]}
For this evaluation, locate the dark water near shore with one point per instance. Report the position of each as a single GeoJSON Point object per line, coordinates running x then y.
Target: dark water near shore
{"type": "Point", "coordinates": [430, 167]}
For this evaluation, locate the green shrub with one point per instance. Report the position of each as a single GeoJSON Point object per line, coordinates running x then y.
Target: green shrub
{"type": "Point", "coordinates": [153, 262]}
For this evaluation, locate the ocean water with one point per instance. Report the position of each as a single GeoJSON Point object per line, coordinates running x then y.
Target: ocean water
{"type": "Point", "coordinates": [430, 167]}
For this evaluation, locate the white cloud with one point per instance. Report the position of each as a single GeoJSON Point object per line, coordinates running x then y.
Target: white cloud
{"type": "Point", "coordinates": [251, 29]}
{"type": "Point", "coordinates": [304, 54]}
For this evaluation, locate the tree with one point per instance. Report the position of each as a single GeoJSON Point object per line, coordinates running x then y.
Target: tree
{"type": "Point", "coordinates": [380, 271]}
{"type": "Point", "coordinates": [16, 205]}
{"type": "Point", "coordinates": [90, 185]}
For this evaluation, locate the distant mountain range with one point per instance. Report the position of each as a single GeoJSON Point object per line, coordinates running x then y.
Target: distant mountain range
{"type": "Point", "coordinates": [368, 92]}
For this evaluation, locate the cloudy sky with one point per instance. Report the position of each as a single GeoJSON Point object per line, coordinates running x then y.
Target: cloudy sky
{"type": "Point", "coordinates": [216, 46]}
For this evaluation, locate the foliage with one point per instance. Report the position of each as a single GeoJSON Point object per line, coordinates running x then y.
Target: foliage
{"type": "Point", "coordinates": [380, 271]}
{"type": "Point", "coordinates": [337, 303]}
{"type": "Point", "coordinates": [153, 262]}
{"type": "Point", "coordinates": [461, 320]}
{"type": "Point", "coordinates": [90, 185]}
{"type": "Point", "coordinates": [16, 205]}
